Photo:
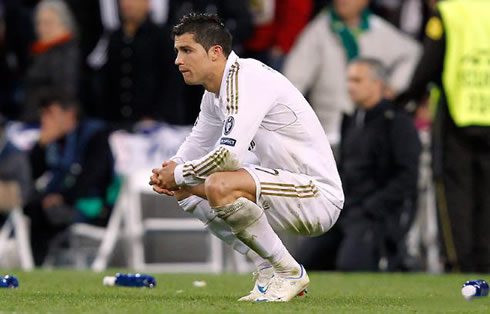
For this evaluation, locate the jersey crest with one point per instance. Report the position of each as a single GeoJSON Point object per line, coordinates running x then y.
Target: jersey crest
{"type": "Point", "coordinates": [230, 122]}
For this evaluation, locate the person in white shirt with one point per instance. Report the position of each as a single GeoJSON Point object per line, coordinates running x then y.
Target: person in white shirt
{"type": "Point", "coordinates": [248, 106]}
{"type": "Point", "coordinates": [346, 29]}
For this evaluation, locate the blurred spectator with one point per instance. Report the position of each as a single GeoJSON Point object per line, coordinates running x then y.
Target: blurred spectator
{"type": "Point", "coordinates": [88, 16]}
{"type": "Point", "coordinates": [15, 173]}
{"type": "Point", "coordinates": [139, 81]}
{"type": "Point", "coordinates": [461, 130]}
{"type": "Point", "coordinates": [319, 5]}
{"type": "Point", "coordinates": [317, 63]}
{"type": "Point", "coordinates": [379, 157]}
{"type": "Point", "coordinates": [277, 24]}
{"type": "Point", "coordinates": [55, 56]}
{"type": "Point", "coordinates": [73, 167]}
{"type": "Point", "coordinates": [409, 16]}
{"type": "Point", "coordinates": [14, 42]}
{"type": "Point", "coordinates": [179, 103]}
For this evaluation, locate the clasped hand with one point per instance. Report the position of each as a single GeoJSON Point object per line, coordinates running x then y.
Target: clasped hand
{"type": "Point", "coordinates": [162, 180]}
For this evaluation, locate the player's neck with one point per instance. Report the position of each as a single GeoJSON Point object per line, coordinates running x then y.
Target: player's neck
{"type": "Point", "coordinates": [213, 83]}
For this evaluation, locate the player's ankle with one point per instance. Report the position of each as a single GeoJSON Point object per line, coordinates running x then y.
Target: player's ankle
{"type": "Point", "coordinates": [285, 265]}
{"type": "Point", "coordinates": [265, 267]}
{"type": "Point", "coordinates": [293, 270]}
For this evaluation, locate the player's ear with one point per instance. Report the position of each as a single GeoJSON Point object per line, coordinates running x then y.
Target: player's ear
{"type": "Point", "coordinates": [215, 52]}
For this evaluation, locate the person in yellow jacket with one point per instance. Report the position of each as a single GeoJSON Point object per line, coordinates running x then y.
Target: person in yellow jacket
{"type": "Point", "coordinates": [457, 58]}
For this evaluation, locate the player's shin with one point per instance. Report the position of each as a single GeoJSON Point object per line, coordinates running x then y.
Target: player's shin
{"type": "Point", "coordinates": [218, 227]}
{"type": "Point", "coordinates": [200, 209]}
{"type": "Point", "coordinates": [249, 223]}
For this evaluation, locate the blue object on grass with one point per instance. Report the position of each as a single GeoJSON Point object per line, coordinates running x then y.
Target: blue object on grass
{"type": "Point", "coordinates": [475, 288]}
{"type": "Point", "coordinates": [9, 281]}
{"type": "Point", "coordinates": [131, 280]}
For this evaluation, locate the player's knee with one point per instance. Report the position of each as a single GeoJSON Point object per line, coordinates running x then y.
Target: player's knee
{"type": "Point", "coordinates": [216, 188]}
{"type": "Point", "coordinates": [239, 214]}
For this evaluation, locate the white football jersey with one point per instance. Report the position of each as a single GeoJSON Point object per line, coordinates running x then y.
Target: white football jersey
{"type": "Point", "coordinates": [257, 109]}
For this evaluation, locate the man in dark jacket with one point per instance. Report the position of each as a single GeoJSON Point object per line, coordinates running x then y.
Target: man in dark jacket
{"type": "Point", "coordinates": [138, 80]}
{"type": "Point", "coordinates": [73, 167]}
{"type": "Point", "coordinates": [380, 151]}
{"type": "Point", "coordinates": [379, 157]}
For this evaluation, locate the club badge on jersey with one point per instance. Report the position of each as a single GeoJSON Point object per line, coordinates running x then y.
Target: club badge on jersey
{"type": "Point", "coordinates": [230, 122]}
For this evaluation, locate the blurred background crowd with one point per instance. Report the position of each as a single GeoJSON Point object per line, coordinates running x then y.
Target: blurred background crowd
{"type": "Point", "coordinates": [79, 70]}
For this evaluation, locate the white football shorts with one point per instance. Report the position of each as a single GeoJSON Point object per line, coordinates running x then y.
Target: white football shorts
{"type": "Point", "coordinates": [293, 202]}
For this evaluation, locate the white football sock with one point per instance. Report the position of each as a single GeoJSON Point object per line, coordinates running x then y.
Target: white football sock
{"type": "Point", "coordinates": [284, 264]}
{"type": "Point", "coordinates": [249, 223]}
{"type": "Point", "coordinates": [259, 262]}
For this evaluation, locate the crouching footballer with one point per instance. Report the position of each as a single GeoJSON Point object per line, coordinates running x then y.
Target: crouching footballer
{"type": "Point", "coordinates": [247, 108]}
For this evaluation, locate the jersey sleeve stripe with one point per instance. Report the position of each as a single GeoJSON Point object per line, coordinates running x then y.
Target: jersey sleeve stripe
{"type": "Point", "coordinates": [214, 161]}
{"type": "Point", "coordinates": [236, 87]}
{"type": "Point", "coordinates": [190, 169]}
{"type": "Point", "coordinates": [215, 158]}
{"type": "Point", "coordinates": [217, 162]}
{"type": "Point", "coordinates": [207, 159]}
{"type": "Point", "coordinates": [229, 89]}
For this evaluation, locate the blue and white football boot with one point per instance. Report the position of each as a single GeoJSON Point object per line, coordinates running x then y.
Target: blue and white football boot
{"type": "Point", "coordinates": [262, 281]}
{"type": "Point", "coordinates": [283, 289]}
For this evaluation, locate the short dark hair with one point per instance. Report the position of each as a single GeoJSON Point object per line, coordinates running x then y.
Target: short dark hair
{"type": "Point", "coordinates": [378, 70]}
{"type": "Point", "coordinates": [48, 96]}
{"type": "Point", "coordinates": [208, 30]}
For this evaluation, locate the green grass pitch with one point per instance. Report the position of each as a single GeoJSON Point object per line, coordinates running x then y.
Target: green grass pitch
{"type": "Point", "coordinates": [67, 291]}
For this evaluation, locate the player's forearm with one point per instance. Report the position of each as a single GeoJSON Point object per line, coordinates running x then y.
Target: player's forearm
{"type": "Point", "coordinates": [195, 172]}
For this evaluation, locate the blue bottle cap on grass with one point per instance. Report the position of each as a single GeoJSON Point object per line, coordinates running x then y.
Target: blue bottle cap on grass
{"type": "Point", "coordinates": [9, 281]}
{"type": "Point", "coordinates": [474, 288]}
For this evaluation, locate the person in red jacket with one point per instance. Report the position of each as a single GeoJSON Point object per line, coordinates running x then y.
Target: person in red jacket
{"type": "Point", "coordinates": [277, 24]}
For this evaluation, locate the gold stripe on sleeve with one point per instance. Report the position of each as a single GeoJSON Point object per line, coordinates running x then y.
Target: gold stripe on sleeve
{"type": "Point", "coordinates": [216, 160]}
{"type": "Point", "coordinates": [229, 89]}
{"type": "Point", "coordinates": [236, 87]}
{"type": "Point", "coordinates": [190, 169]}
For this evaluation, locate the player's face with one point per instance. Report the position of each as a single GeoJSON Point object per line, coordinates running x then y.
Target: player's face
{"type": "Point", "coordinates": [192, 59]}
{"type": "Point", "coordinates": [361, 85]}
